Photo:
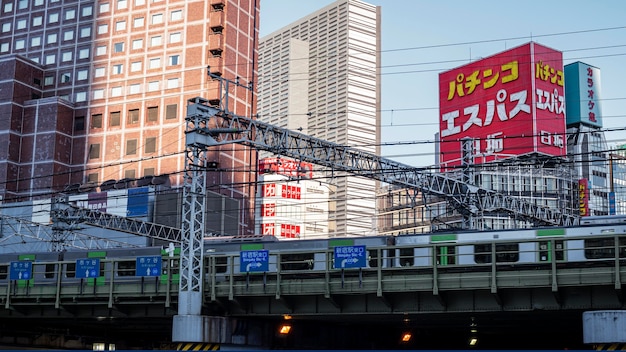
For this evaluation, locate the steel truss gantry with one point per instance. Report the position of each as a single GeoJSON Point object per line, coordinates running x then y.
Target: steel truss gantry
{"type": "Point", "coordinates": [216, 128]}
{"type": "Point", "coordinates": [66, 217]}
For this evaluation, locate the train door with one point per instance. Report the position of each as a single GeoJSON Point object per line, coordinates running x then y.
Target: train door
{"type": "Point", "coordinates": [446, 254]}
{"type": "Point", "coordinates": [445, 249]}
{"type": "Point", "coordinates": [548, 247]}
{"type": "Point", "coordinates": [170, 265]}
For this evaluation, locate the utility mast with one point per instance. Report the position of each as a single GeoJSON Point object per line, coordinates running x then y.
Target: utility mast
{"type": "Point", "coordinates": [189, 324]}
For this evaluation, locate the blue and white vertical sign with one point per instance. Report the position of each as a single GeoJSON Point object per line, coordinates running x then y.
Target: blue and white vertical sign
{"type": "Point", "coordinates": [87, 268]}
{"type": "Point", "coordinates": [350, 257]}
{"type": "Point", "coordinates": [254, 261]}
{"type": "Point", "coordinates": [611, 203]}
{"type": "Point", "coordinates": [21, 270]}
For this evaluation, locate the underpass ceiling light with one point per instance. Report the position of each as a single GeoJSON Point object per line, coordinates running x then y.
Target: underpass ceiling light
{"type": "Point", "coordinates": [406, 337]}
{"type": "Point", "coordinates": [284, 329]}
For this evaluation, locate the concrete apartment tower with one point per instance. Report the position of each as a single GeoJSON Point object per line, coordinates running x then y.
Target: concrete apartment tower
{"type": "Point", "coordinates": [321, 75]}
{"type": "Point", "coordinates": [96, 91]}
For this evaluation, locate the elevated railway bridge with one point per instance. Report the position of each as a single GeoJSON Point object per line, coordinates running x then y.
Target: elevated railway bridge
{"type": "Point", "coordinates": [442, 305]}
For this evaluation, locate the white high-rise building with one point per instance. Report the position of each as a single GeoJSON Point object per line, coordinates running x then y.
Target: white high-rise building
{"type": "Point", "coordinates": [321, 75]}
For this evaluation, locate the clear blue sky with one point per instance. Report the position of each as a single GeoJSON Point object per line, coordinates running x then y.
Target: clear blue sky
{"type": "Point", "coordinates": [436, 36]}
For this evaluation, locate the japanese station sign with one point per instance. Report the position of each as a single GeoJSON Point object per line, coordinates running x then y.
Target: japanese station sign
{"type": "Point", "coordinates": [148, 266]}
{"type": "Point", "coordinates": [21, 270]}
{"type": "Point", "coordinates": [510, 104]}
{"type": "Point", "coordinates": [254, 261]}
{"type": "Point", "coordinates": [350, 257]}
{"type": "Point", "coordinates": [87, 268]}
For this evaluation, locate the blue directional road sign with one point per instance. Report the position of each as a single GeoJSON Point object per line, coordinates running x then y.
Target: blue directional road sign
{"type": "Point", "coordinates": [87, 268]}
{"type": "Point", "coordinates": [148, 266]}
{"type": "Point", "coordinates": [350, 257]}
{"type": "Point", "coordinates": [21, 271]}
{"type": "Point", "coordinates": [254, 261]}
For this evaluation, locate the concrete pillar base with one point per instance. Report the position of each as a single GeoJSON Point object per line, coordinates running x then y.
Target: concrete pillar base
{"type": "Point", "coordinates": [604, 326]}
{"type": "Point", "coordinates": [201, 328]}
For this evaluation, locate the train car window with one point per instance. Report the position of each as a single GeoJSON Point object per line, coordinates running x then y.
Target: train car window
{"type": "Point", "coordinates": [50, 270]}
{"type": "Point", "coordinates": [126, 268]}
{"type": "Point", "coordinates": [297, 261]}
{"type": "Point", "coordinates": [545, 250]}
{"type": "Point", "coordinates": [70, 270]}
{"type": "Point", "coordinates": [373, 258]}
{"type": "Point", "coordinates": [4, 270]}
{"type": "Point", "coordinates": [407, 257]}
{"type": "Point", "coordinates": [505, 253]}
{"type": "Point", "coordinates": [604, 248]}
{"type": "Point", "coordinates": [446, 255]}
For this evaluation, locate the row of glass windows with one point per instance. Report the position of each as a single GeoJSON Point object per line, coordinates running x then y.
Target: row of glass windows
{"type": "Point", "coordinates": [136, 66]}
{"type": "Point", "coordinates": [136, 44]}
{"type": "Point", "coordinates": [132, 116]}
{"type": "Point", "coordinates": [149, 147]}
{"type": "Point", "coordinates": [137, 88]}
{"type": "Point", "coordinates": [51, 38]}
{"type": "Point", "coordinates": [36, 21]}
{"type": "Point", "coordinates": [138, 22]}
{"type": "Point", "coordinates": [128, 173]}
{"type": "Point", "coordinates": [87, 10]}
{"type": "Point", "coordinates": [122, 4]}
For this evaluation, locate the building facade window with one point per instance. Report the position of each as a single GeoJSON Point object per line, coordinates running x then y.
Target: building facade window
{"type": "Point", "coordinates": [116, 91]}
{"type": "Point", "coordinates": [114, 119]}
{"type": "Point", "coordinates": [96, 121]}
{"type": "Point", "coordinates": [131, 147]}
{"type": "Point", "coordinates": [150, 145]}
{"type": "Point", "coordinates": [133, 117]}
{"type": "Point", "coordinates": [171, 111]}
{"type": "Point", "coordinates": [153, 114]}
{"type": "Point", "coordinates": [156, 40]}
{"type": "Point", "coordinates": [94, 151]}
{"type": "Point", "coordinates": [176, 15]}
{"type": "Point", "coordinates": [87, 11]}
{"type": "Point", "coordinates": [155, 63]}
{"type": "Point", "coordinates": [153, 86]}
{"type": "Point", "coordinates": [135, 66]}
{"type": "Point", "coordinates": [81, 75]}
{"type": "Point", "coordinates": [137, 44]}
{"type": "Point", "coordinates": [134, 88]}
{"type": "Point", "coordinates": [85, 32]}
{"type": "Point", "coordinates": [157, 18]}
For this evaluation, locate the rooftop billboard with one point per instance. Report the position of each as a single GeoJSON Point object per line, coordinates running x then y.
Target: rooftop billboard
{"type": "Point", "coordinates": [582, 93]}
{"type": "Point", "coordinates": [509, 104]}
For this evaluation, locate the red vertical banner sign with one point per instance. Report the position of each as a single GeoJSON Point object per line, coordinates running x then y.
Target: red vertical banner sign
{"type": "Point", "coordinates": [583, 196]}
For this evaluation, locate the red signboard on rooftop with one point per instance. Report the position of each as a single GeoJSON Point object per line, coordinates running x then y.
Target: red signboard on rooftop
{"type": "Point", "coordinates": [510, 104]}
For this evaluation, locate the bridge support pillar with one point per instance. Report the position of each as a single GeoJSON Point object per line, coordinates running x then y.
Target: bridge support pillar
{"type": "Point", "coordinates": [190, 331]}
{"type": "Point", "coordinates": [605, 329]}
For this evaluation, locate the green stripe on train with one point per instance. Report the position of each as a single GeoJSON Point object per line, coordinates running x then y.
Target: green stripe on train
{"type": "Point", "coordinates": [550, 232]}
{"type": "Point", "coordinates": [340, 243]}
{"type": "Point", "coordinates": [443, 238]}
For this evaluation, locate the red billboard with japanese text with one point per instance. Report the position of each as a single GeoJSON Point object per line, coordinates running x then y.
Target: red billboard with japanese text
{"type": "Point", "coordinates": [509, 104]}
